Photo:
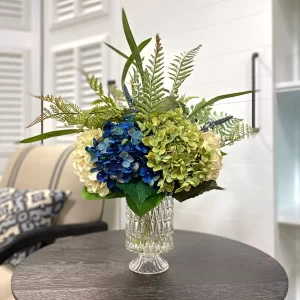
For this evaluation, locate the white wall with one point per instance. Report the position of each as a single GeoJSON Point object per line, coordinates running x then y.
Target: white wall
{"type": "Point", "coordinates": [25, 39]}
{"type": "Point", "coordinates": [230, 31]}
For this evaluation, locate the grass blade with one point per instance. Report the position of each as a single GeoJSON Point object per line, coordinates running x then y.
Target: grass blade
{"type": "Point", "coordinates": [130, 60]}
{"type": "Point", "coordinates": [216, 99]}
{"type": "Point", "coordinates": [116, 50]}
{"type": "Point", "coordinates": [49, 135]}
{"type": "Point", "coordinates": [132, 44]}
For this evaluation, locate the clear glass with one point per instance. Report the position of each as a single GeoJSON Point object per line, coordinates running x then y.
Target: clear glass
{"type": "Point", "coordinates": [149, 236]}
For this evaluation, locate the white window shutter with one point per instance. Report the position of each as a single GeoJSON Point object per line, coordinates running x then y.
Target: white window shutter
{"type": "Point", "coordinates": [64, 9]}
{"type": "Point", "coordinates": [71, 12]}
{"type": "Point", "coordinates": [15, 14]}
{"type": "Point", "coordinates": [91, 62]}
{"type": "Point", "coordinates": [12, 95]}
{"type": "Point", "coordinates": [88, 6]}
{"type": "Point", "coordinates": [64, 82]}
{"type": "Point", "coordinates": [64, 85]}
{"type": "Point", "coordinates": [89, 56]}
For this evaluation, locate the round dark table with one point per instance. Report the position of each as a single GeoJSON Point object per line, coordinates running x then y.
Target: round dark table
{"type": "Point", "coordinates": [202, 266]}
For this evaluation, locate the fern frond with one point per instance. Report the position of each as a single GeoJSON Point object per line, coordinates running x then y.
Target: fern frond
{"type": "Point", "coordinates": [181, 68]}
{"type": "Point", "coordinates": [71, 115]}
{"type": "Point", "coordinates": [59, 110]}
{"type": "Point", "coordinates": [97, 87]}
{"type": "Point", "coordinates": [201, 116]}
{"type": "Point", "coordinates": [153, 90]}
{"type": "Point", "coordinates": [136, 86]}
{"type": "Point", "coordinates": [128, 97]}
{"type": "Point", "coordinates": [232, 130]}
{"type": "Point", "coordinates": [239, 132]}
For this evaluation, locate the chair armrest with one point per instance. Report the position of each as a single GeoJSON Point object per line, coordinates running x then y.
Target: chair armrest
{"type": "Point", "coordinates": [48, 235]}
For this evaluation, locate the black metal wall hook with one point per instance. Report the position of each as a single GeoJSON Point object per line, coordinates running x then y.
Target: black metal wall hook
{"type": "Point", "coordinates": [254, 57]}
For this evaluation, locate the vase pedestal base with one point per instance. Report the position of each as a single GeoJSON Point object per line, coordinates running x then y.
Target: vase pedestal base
{"type": "Point", "coordinates": [148, 264]}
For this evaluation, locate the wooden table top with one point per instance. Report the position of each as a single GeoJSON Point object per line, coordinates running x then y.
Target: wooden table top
{"type": "Point", "coordinates": [95, 267]}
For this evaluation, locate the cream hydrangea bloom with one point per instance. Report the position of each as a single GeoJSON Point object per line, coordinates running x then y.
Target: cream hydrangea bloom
{"type": "Point", "coordinates": [82, 162]}
{"type": "Point", "coordinates": [213, 141]}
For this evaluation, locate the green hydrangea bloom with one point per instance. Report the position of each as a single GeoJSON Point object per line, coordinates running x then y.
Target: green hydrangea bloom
{"type": "Point", "coordinates": [179, 150]}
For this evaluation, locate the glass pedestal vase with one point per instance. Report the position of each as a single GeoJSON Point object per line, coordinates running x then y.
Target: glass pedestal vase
{"type": "Point", "coordinates": [149, 236]}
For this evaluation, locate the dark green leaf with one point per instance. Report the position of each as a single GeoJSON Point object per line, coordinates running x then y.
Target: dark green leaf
{"type": "Point", "coordinates": [148, 204]}
{"type": "Point", "coordinates": [138, 192]}
{"type": "Point", "coordinates": [116, 50]}
{"type": "Point", "coordinates": [131, 42]}
{"type": "Point", "coordinates": [49, 135]}
{"type": "Point", "coordinates": [214, 100]}
{"type": "Point", "coordinates": [130, 60]}
{"type": "Point", "coordinates": [203, 187]}
{"type": "Point", "coordinates": [94, 196]}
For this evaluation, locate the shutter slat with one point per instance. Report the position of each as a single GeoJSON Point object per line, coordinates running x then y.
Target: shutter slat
{"type": "Point", "coordinates": [64, 9]}
{"type": "Point", "coordinates": [64, 85]}
{"type": "Point", "coordinates": [90, 5]}
{"type": "Point", "coordinates": [90, 62]}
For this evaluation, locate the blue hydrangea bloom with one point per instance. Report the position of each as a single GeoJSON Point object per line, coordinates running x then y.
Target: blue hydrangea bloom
{"type": "Point", "coordinates": [119, 155]}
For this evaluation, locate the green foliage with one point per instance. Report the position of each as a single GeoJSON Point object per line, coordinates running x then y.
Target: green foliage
{"type": "Point", "coordinates": [200, 115]}
{"type": "Point", "coordinates": [203, 187]}
{"type": "Point", "coordinates": [152, 92]}
{"type": "Point", "coordinates": [237, 133]}
{"type": "Point", "coordinates": [136, 86]}
{"type": "Point", "coordinates": [94, 196]}
{"type": "Point", "coordinates": [130, 61]}
{"type": "Point", "coordinates": [148, 204]}
{"type": "Point", "coordinates": [183, 99]}
{"type": "Point", "coordinates": [166, 104]}
{"type": "Point", "coordinates": [59, 110]}
{"type": "Point", "coordinates": [49, 135]}
{"type": "Point", "coordinates": [231, 131]}
{"type": "Point", "coordinates": [204, 104]}
{"type": "Point", "coordinates": [98, 88]}
{"type": "Point", "coordinates": [131, 42]}
{"type": "Point", "coordinates": [138, 192]}
{"type": "Point", "coordinates": [117, 51]}
{"type": "Point", "coordinates": [71, 115]}
{"type": "Point", "coordinates": [181, 68]}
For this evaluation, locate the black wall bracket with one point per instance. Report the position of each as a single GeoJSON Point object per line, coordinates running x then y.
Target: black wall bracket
{"type": "Point", "coordinates": [254, 57]}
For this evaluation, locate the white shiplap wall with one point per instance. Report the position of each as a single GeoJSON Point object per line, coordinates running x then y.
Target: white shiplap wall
{"type": "Point", "coordinates": [230, 31]}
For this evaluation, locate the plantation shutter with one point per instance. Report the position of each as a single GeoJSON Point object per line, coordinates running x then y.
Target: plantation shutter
{"type": "Point", "coordinates": [65, 74]}
{"type": "Point", "coordinates": [91, 63]}
{"type": "Point", "coordinates": [12, 98]}
{"type": "Point", "coordinates": [68, 12]}
{"type": "Point", "coordinates": [90, 5]}
{"type": "Point", "coordinates": [69, 81]}
{"type": "Point", "coordinates": [14, 14]}
{"type": "Point", "coordinates": [64, 9]}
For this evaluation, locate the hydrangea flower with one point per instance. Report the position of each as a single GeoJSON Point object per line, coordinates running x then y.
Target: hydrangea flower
{"type": "Point", "coordinates": [82, 162]}
{"type": "Point", "coordinates": [185, 155]}
{"type": "Point", "coordinates": [119, 155]}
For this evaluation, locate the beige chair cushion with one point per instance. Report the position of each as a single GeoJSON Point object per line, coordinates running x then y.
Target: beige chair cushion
{"type": "Point", "coordinates": [35, 172]}
{"type": "Point", "coordinates": [6, 272]}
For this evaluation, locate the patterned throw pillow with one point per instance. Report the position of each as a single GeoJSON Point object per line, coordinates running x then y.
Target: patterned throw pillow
{"type": "Point", "coordinates": [25, 210]}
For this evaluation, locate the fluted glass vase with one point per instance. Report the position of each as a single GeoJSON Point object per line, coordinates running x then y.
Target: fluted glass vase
{"type": "Point", "coordinates": [149, 236]}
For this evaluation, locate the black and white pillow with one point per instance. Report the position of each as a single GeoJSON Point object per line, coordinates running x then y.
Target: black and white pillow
{"type": "Point", "coordinates": [25, 210]}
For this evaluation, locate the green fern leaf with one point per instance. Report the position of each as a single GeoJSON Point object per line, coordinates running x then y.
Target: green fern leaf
{"type": "Point", "coordinates": [153, 90]}
{"type": "Point", "coordinates": [231, 131]}
{"type": "Point", "coordinates": [181, 68]}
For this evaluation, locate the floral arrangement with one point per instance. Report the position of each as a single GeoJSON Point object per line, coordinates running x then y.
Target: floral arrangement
{"type": "Point", "coordinates": [146, 143]}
